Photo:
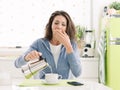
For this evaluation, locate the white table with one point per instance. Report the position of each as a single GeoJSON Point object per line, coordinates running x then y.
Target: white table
{"type": "Point", "coordinates": [87, 86]}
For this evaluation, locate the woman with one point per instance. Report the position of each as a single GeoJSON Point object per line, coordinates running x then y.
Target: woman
{"type": "Point", "coordinates": [58, 47]}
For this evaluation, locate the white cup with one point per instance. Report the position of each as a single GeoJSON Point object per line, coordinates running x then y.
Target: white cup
{"type": "Point", "coordinates": [52, 77]}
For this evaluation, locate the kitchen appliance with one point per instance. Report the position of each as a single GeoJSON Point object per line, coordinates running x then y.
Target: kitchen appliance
{"type": "Point", "coordinates": [88, 36]}
{"type": "Point", "coordinates": [33, 66]}
{"type": "Point", "coordinates": [113, 53]}
{"type": "Point", "coordinates": [88, 50]}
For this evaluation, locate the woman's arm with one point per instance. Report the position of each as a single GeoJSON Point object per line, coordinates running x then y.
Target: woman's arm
{"type": "Point", "coordinates": [21, 59]}
{"type": "Point", "coordinates": [74, 61]}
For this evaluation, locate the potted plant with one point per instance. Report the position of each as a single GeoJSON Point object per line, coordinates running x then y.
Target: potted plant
{"type": "Point", "coordinates": [80, 35]}
{"type": "Point", "coordinates": [116, 6]}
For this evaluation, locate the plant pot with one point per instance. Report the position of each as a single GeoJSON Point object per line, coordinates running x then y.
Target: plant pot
{"type": "Point", "coordinates": [117, 11]}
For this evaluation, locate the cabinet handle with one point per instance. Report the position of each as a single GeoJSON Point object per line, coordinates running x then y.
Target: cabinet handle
{"type": "Point", "coordinates": [114, 43]}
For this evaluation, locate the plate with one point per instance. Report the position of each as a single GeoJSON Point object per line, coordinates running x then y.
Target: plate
{"type": "Point", "coordinates": [49, 83]}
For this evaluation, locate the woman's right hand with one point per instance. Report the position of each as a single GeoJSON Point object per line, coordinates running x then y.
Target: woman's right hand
{"type": "Point", "coordinates": [32, 55]}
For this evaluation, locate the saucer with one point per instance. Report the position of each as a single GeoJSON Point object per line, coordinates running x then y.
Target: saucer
{"type": "Point", "coordinates": [49, 83]}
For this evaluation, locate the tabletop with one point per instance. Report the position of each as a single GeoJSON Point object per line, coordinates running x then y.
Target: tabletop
{"type": "Point", "coordinates": [62, 85]}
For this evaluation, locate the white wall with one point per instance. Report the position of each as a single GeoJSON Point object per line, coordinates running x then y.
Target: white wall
{"type": "Point", "coordinates": [23, 21]}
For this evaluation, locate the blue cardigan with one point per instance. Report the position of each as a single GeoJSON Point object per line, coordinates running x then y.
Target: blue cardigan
{"type": "Point", "coordinates": [66, 62]}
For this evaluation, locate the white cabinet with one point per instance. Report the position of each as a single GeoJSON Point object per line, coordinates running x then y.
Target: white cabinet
{"type": "Point", "coordinates": [89, 69]}
{"type": "Point", "coordinates": [7, 66]}
{"type": "Point", "coordinates": [7, 58]}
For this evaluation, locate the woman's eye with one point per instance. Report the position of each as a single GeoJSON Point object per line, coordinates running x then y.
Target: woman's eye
{"type": "Point", "coordinates": [63, 24]}
{"type": "Point", "coordinates": [56, 23]}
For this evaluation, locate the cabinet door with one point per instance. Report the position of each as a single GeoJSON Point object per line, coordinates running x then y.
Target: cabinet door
{"type": "Point", "coordinates": [113, 65]}
{"type": "Point", "coordinates": [114, 27]}
{"type": "Point", "coordinates": [89, 70]}
{"type": "Point", "coordinates": [8, 66]}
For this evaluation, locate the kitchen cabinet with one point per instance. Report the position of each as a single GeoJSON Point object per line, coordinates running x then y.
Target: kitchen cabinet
{"type": "Point", "coordinates": [7, 58]}
{"type": "Point", "coordinates": [7, 66]}
{"type": "Point", "coordinates": [89, 69]}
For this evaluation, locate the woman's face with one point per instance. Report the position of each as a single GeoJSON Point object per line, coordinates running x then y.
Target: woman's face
{"type": "Point", "coordinates": [59, 23]}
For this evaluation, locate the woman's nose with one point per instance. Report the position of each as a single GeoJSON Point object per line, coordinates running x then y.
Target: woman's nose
{"type": "Point", "coordinates": [59, 26]}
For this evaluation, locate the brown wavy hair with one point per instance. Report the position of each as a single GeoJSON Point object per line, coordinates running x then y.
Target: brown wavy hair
{"type": "Point", "coordinates": [70, 30]}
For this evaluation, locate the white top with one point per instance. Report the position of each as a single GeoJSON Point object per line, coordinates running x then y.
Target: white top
{"type": "Point", "coordinates": [56, 52]}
